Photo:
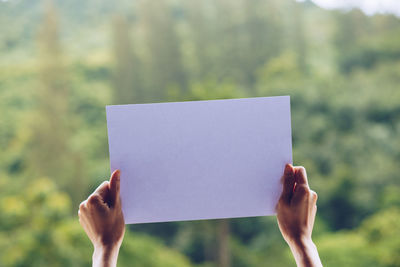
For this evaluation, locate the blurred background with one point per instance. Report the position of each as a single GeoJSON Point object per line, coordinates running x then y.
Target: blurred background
{"type": "Point", "coordinates": [61, 62]}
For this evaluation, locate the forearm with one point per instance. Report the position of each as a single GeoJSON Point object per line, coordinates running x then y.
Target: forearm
{"type": "Point", "coordinates": [105, 257]}
{"type": "Point", "coordinates": [305, 253]}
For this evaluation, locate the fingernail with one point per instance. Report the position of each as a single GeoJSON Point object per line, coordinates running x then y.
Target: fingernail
{"type": "Point", "coordinates": [288, 169]}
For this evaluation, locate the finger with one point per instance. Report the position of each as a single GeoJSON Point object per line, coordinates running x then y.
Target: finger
{"type": "Point", "coordinates": [86, 227]}
{"type": "Point", "coordinates": [313, 214]}
{"type": "Point", "coordinates": [301, 193]}
{"type": "Point", "coordinates": [114, 187]}
{"type": "Point", "coordinates": [82, 207]}
{"type": "Point", "coordinates": [103, 190]}
{"type": "Point", "coordinates": [81, 221]}
{"type": "Point", "coordinates": [97, 202]}
{"type": "Point", "coordinates": [314, 197]}
{"type": "Point", "coordinates": [300, 175]}
{"type": "Point", "coordinates": [288, 182]}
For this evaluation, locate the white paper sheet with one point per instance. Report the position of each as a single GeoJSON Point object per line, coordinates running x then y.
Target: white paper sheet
{"type": "Point", "coordinates": [200, 159]}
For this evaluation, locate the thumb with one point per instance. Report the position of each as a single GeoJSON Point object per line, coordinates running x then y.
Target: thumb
{"type": "Point", "coordinates": [114, 187]}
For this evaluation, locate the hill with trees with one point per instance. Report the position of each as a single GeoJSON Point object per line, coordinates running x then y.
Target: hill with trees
{"type": "Point", "coordinates": [63, 61]}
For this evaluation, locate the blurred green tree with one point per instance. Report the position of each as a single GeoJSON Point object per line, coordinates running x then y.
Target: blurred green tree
{"type": "Point", "coordinates": [369, 245]}
{"type": "Point", "coordinates": [345, 118]}
{"type": "Point", "coordinates": [50, 153]}
{"type": "Point", "coordinates": [128, 82]}
{"type": "Point", "coordinates": [163, 60]}
{"type": "Point", "coordinates": [36, 229]}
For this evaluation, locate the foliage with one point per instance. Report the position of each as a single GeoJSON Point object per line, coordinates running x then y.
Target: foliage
{"type": "Point", "coordinates": [63, 61]}
{"type": "Point", "coordinates": [37, 230]}
{"type": "Point", "coordinates": [372, 244]}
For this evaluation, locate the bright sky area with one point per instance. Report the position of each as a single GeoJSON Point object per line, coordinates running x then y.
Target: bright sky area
{"type": "Point", "coordinates": [369, 7]}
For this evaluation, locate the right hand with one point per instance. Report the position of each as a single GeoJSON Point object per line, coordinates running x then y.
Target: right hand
{"type": "Point", "coordinates": [296, 212]}
{"type": "Point", "coordinates": [297, 205]}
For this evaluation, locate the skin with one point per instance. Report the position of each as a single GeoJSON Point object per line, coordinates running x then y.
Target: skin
{"type": "Point", "coordinates": [296, 212]}
{"type": "Point", "coordinates": [102, 219]}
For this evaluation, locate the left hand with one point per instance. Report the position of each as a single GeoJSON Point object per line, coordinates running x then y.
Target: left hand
{"type": "Point", "coordinates": [102, 219]}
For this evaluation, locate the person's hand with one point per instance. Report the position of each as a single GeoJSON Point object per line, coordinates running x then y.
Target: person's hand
{"type": "Point", "coordinates": [102, 219]}
{"type": "Point", "coordinates": [296, 212]}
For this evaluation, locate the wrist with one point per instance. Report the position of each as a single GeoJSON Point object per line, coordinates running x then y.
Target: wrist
{"type": "Point", "coordinates": [105, 255]}
{"type": "Point", "coordinates": [301, 243]}
{"type": "Point", "coordinates": [305, 252]}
